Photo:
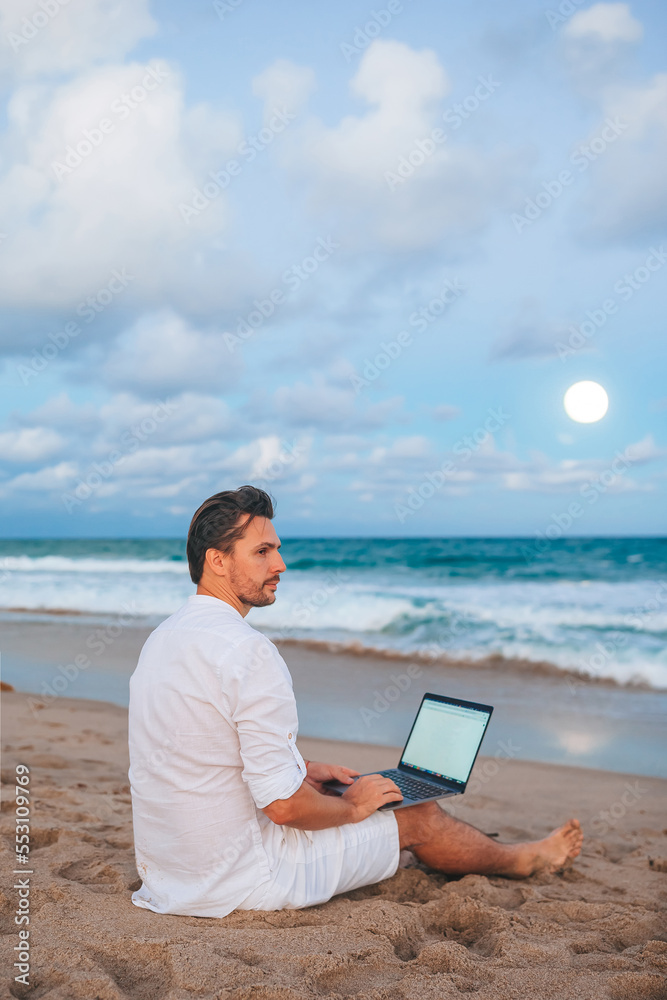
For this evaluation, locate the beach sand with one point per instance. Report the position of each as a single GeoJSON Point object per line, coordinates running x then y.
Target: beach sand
{"type": "Point", "coordinates": [596, 930]}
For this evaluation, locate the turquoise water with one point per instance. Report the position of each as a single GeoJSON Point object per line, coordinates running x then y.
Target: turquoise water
{"type": "Point", "coordinates": [598, 605]}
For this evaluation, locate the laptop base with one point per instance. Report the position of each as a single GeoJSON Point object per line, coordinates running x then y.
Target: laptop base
{"type": "Point", "coordinates": [338, 787]}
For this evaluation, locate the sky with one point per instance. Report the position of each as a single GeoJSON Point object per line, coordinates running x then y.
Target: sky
{"type": "Point", "coordinates": [354, 255]}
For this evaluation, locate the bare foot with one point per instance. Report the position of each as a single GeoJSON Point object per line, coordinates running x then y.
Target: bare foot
{"type": "Point", "coordinates": [554, 852]}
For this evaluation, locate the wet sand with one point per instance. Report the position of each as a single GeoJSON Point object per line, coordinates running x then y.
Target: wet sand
{"type": "Point", "coordinates": [540, 713]}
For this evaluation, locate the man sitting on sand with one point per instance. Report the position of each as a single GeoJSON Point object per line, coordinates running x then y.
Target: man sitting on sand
{"type": "Point", "coordinates": [227, 814]}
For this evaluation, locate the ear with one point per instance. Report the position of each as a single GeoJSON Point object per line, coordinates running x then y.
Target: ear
{"type": "Point", "coordinates": [216, 562]}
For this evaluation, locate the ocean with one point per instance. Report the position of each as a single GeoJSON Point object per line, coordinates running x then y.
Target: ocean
{"type": "Point", "coordinates": [595, 605]}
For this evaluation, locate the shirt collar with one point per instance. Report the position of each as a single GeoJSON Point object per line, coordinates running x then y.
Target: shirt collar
{"type": "Point", "coordinates": [220, 606]}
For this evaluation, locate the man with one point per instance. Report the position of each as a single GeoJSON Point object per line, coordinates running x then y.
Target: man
{"type": "Point", "coordinates": [227, 814]}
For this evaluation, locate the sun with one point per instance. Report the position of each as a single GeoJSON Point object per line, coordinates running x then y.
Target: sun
{"type": "Point", "coordinates": [586, 402]}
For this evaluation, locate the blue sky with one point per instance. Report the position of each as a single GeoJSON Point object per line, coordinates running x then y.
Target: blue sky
{"type": "Point", "coordinates": [343, 252]}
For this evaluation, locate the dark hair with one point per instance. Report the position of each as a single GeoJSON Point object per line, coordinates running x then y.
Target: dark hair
{"type": "Point", "coordinates": [214, 524]}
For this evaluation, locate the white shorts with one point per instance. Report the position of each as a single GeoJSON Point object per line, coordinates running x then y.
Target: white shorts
{"type": "Point", "coordinates": [310, 866]}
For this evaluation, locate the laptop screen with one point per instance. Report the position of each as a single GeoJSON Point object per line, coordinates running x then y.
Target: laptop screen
{"type": "Point", "coordinates": [445, 739]}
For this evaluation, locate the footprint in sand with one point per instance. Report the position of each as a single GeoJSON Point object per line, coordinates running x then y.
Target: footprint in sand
{"type": "Point", "coordinates": [94, 873]}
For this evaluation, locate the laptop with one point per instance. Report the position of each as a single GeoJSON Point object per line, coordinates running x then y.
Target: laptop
{"type": "Point", "coordinates": [440, 751]}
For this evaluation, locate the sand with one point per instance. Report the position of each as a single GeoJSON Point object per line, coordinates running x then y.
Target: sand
{"type": "Point", "coordinates": [595, 930]}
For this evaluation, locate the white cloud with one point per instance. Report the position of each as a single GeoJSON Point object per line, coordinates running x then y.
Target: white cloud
{"type": "Point", "coordinates": [606, 22]}
{"type": "Point", "coordinates": [188, 418]}
{"type": "Point", "coordinates": [283, 85]}
{"type": "Point", "coordinates": [570, 475]}
{"type": "Point", "coordinates": [60, 411]}
{"type": "Point", "coordinates": [82, 201]}
{"type": "Point", "coordinates": [269, 457]}
{"type": "Point", "coordinates": [320, 404]}
{"type": "Point", "coordinates": [645, 450]}
{"type": "Point", "coordinates": [414, 446]}
{"type": "Point", "coordinates": [51, 478]}
{"type": "Point", "coordinates": [65, 36]}
{"type": "Point", "coordinates": [629, 196]}
{"type": "Point", "coordinates": [443, 411]}
{"type": "Point", "coordinates": [30, 444]}
{"type": "Point", "coordinates": [345, 166]}
{"type": "Point", "coordinates": [162, 353]}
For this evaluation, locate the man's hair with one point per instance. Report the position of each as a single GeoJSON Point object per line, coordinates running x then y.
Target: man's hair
{"type": "Point", "coordinates": [214, 524]}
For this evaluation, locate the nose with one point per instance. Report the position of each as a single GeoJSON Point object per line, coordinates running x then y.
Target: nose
{"type": "Point", "coordinates": [281, 567]}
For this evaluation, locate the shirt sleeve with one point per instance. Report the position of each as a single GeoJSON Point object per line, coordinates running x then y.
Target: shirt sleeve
{"type": "Point", "coordinates": [263, 709]}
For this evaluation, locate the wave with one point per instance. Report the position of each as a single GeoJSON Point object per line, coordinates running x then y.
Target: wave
{"type": "Point", "coordinates": [65, 564]}
{"type": "Point", "coordinates": [635, 676]}
{"type": "Point", "coordinates": [391, 607]}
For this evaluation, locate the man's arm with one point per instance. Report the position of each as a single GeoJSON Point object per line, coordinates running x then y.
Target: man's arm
{"type": "Point", "coordinates": [308, 809]}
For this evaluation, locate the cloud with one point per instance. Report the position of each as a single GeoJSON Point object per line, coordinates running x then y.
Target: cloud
{"type": "Point", "coordinates": [569, 475]}
{"type": "Point", "coordinates": [530, 335]}
{"type": "Point", "coordinates": [346, 167]}
{"type": "Point", "coordinates": [403, 447]}
{"type": "Point", "coordinates": [162, 353]}
{"type": "Point", "coordinates": [605, 22]}
{"type": "Point", "coordinates": [98, 167]}
{"type": "Point", "coordinates": [192, 418]}
{"type": "Point", "coordinates": [445, 412]}
{"type": "Point", "coordinates": [62, 413]}
{"type": "Point", "coordinates": [270, 458]}
{"type": "Point", "coordinates": [284, 85]}
{"type": "Point", "coordinates": [326, 406]}
{"type": "Point", "coordinates": [30, 444]}
{"type": "Point", "coordinates": [628, 200]}
{"type": "Point", "coordinates": [57, 36]}
{"type": "Point", "coordinates": [45, 481]}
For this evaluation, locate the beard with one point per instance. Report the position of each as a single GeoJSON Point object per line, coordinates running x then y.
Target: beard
{"type": "Point", "coordinates": [249, 592]}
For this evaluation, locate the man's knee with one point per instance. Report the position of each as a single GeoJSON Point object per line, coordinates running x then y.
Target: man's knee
{"type": "Point", "coordinates": [418, 824]}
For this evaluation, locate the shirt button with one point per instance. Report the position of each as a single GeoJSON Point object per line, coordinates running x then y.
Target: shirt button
{"type": "Point", "coordinates": [289, 736]}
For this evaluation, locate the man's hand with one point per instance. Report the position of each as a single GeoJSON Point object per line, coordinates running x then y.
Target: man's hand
{"type": "Point", "coordinates": [368, 793]}
{"type": "Point", "coordinates": [307, 809]}
{"type": "Point", "coordinates": [317, 773]}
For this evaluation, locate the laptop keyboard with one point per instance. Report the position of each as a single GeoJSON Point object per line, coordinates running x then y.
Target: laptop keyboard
{"type": "Point", "coordinates": [413, 788]}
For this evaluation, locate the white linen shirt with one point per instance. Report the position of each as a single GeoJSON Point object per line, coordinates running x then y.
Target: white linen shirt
{"type": "Point", "coordinates": [212, 734]}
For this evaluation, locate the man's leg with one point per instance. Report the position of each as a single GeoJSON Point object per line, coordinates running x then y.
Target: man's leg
{"type": "Point", "coordinates": [454, 847]}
